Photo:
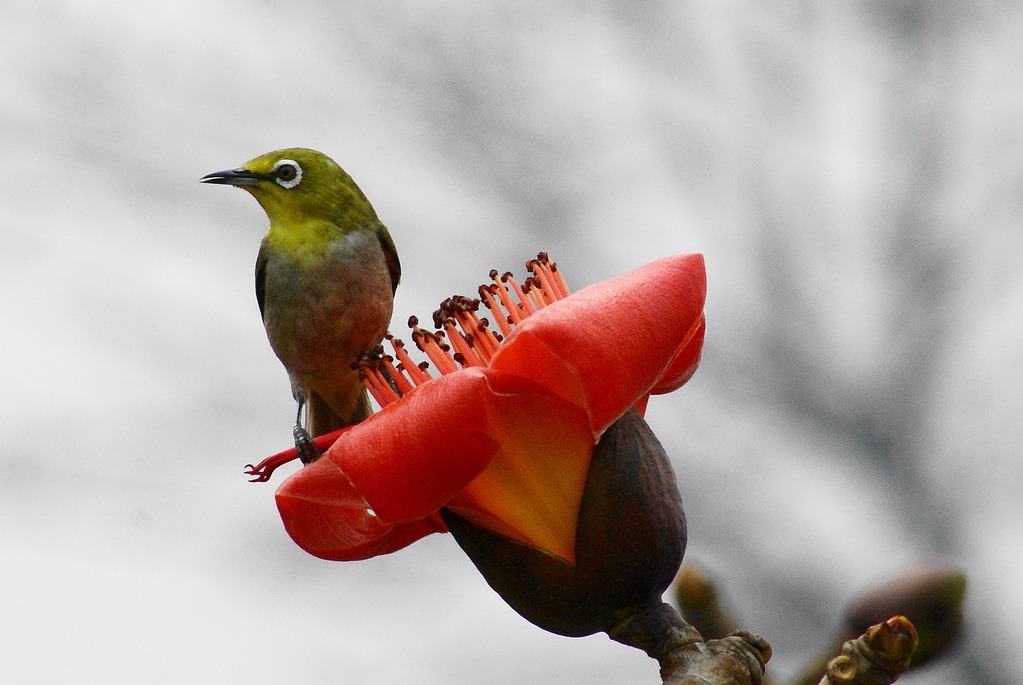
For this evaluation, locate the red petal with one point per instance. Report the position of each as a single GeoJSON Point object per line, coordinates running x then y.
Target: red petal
{"type": "Point", "coordinates": [607, 345]}
{"type": "Point", "coordinates": [687, 359]}
{"type": "Point", "coordinates": [326, 517]}
{"type": "Point", "coordinates": [414, 455]}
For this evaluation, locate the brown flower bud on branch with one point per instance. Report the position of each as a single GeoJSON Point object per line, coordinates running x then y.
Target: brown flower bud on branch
{"type": "Point", "coordinates": [877, 657]}
{"type": "Point", "coordinates": [929, 596]}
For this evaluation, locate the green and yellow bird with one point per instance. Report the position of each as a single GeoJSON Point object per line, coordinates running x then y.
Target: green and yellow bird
{"type": "Point", "coordinates": [325, 279]}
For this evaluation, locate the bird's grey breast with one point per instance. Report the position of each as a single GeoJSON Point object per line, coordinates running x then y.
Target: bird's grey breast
{"type": "Point", "coordinates": [321, 314]}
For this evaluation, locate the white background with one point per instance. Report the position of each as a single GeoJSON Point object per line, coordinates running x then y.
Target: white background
{"type": "Point", "coordinates": [852, 171]}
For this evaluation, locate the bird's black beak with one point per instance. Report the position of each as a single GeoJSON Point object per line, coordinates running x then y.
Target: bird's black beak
{"type": "Point", "coordinates": [231, 177]}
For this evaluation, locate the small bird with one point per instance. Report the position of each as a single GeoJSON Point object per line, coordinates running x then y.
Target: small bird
{"type": "Point", "coordinates": [325, 279]}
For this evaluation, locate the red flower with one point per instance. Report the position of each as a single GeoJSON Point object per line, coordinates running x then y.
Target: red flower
{"type": "Point", "coordinates": [505, 436]}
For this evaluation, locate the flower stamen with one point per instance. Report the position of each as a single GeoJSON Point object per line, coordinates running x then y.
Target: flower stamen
{"type": "Point", "coordinates": [527, 304]}
{"type": "Point", "coordinates": [375, 381]}
{"type": "Point", "coordinates": [472, 342]}
{"type": "Point", "coordinates": [547, 272]}
{"type": "Point", "coordinates": [463, 311]}
{"type": "Point", "coordinates": [399, 379]}
{"type": "Point", "coordinates": [491, 340]}
{"type": "Point", "coordinates": [487, 295]}
{"type": "Point", "coordinates": [429, 343]}
{"type": "Point", "coordinates": [540, 298]}
{"type": "Point", "coordinates": [514, 314]}
{"type": "Point", "coordinates": [464, 345]}
{"type": "Point", "coordinates": [416, 373]}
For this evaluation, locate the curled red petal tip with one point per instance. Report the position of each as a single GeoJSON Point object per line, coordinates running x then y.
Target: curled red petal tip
{"type": "Point", "coordinates": [262, 471]}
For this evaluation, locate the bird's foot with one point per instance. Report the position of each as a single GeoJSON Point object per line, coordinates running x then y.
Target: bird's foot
{"type": "Point", "coordinates": [307, 450]}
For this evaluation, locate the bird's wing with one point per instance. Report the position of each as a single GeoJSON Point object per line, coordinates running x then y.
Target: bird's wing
{"type": "Point", "coordinates": [261, 261]}
{"type": "Point", "coordinates": [390, 256]}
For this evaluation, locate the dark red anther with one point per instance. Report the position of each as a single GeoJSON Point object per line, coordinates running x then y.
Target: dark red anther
{"type": "Point", "coordinates": [440, 316]}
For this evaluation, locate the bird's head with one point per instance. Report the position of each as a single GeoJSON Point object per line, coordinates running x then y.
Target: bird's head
{"type": "Point", "coordinates": [299, 184]}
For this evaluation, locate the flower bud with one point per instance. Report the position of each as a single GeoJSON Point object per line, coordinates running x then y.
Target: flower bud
{"type": "Point", "coordinates": [630, 539]}
{"type": "Point", "coordinates": [930, 597]}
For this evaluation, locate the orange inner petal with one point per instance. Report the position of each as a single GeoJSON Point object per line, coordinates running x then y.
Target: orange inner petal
{"type": "Point", "coordinates": [531, 490]}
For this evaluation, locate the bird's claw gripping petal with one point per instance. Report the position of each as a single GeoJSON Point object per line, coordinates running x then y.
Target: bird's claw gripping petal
{"type": "Point", "coordinates": [307, 450]}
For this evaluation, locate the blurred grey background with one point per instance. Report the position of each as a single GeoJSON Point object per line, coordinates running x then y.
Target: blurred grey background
{"type": "Point", "coordinates": [852, 171]}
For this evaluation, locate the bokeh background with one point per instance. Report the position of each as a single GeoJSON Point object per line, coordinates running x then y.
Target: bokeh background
{"type": "Point", "coordinates": [852, 170]}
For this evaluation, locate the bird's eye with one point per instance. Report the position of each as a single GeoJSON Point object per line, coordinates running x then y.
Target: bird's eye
{"type": "Point", "coordinates": [287, 173]}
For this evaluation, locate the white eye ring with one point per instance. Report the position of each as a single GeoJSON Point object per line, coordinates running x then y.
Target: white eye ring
{"type": "Point", "coordinates": [290, 182]}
